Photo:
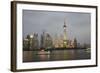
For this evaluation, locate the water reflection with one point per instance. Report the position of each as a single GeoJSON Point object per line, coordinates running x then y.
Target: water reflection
{"type": "Point", "coordinates": [55, 55]}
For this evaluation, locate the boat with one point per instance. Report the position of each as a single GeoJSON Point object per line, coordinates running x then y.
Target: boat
{"type": "Point", "coordinates": [43, 52]}
{"type": "Point", "coordinates": [88, 50]}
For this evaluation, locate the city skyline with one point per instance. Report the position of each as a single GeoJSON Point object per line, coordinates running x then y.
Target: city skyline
{"type": "Point", "coordinates": [78, 24]}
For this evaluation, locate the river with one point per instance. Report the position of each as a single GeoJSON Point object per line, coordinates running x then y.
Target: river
{"type": "Point", "coordinates": [56, 55]}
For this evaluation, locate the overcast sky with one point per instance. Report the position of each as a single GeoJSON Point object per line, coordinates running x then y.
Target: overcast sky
{"type": "Point", "coordinates": [78, 24]}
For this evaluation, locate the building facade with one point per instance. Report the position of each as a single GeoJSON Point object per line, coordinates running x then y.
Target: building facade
{"type": "Point", "coordinates": [31, 42]}
{"type": "Point", "coordinates": [46, 41]}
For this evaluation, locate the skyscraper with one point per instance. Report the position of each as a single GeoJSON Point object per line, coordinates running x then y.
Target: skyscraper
{"type": "Point", "coordinates": [75, 43]}
{"type": "Point", "coordinates": [35, 44]}
{"type": "Point", "coordinates": [31, 42]}
{"type": "Point", "coordinates": [42, 40]}
{"type": "Point", "coordinates": [25, 44]}
{"type": "Point", "coordinates": [46, 41]}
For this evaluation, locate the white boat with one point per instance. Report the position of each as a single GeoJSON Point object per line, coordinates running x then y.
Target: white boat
{"type": "Point", "coordinates": [43, 52]}
{"type": "Point", "coordinates": [88, 50]}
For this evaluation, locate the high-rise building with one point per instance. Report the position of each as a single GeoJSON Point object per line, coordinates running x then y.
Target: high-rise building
{"type": "Point", "coordinates": [31, 41]}
{"type": "Point", "coordinates": [55, 41]}
{"type": "Point", "coordinates": [60, 41]}
{"type": "Point", "coordinates": [74, 43]}
{"type": "Point", "coordinates": [42, 42]}
{"type": "Point", "coordinates": [25, 44]}
{"type": "Point", "coordinates": [46, 41]}
{"type": "Point", "coordinates": [35, 44]}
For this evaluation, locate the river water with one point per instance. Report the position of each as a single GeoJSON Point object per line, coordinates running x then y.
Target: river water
{"type": "Point", "coordinates": [56, 55]}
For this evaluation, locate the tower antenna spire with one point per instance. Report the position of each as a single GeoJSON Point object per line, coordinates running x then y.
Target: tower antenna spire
{"type": "Point", "coordinates": [64, 22]}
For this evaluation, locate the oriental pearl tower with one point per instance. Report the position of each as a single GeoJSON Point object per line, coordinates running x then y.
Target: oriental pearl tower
{"type": "Point", "coordinates": [64, 35]}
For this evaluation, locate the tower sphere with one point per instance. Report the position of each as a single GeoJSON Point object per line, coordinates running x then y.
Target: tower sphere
{"type": "Point", "coordinates": [64, 25]}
